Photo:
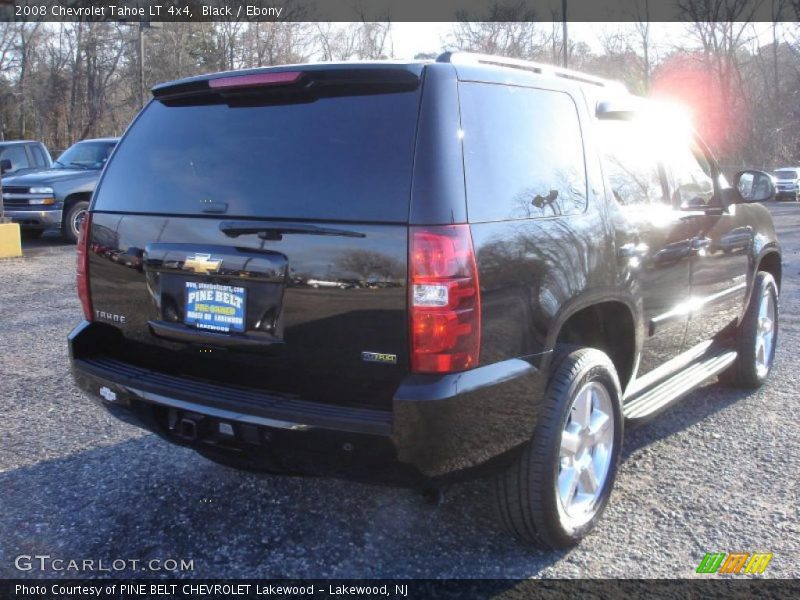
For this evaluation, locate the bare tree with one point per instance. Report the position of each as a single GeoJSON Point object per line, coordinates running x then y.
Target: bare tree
{"type": "Point", "coordinates": [277, 43]}
{"type": "Point", "coordinates": [26, 44]}
{"type": "Point", "coordinates": [7, 40]}
{"type": "Point", "coordinates": [62, 81]}
{"type": "Point", "coordinates": [102, 50]}
{"type": "Point", "coordinates": [228, 43]}
{"type": "Point", "coordinates": [364, 41]}
{"type": "Point", "coordinates": [642, 24]}
{"type": "Point", "coordinates": [721, 28]}
{"type": "Point", "coordinates": [506, 29]}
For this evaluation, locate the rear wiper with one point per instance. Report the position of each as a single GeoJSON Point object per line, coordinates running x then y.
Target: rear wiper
{"type": "Point", "coordinates": [276, 231]}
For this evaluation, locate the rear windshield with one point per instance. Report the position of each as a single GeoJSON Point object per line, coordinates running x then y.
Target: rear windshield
{"type": "Point", "coordinates": [786, 174]}
{"type": "Point", "coordinates": [336, 158]}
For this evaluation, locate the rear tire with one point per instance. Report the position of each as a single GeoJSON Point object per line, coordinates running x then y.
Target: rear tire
{"type": "Point", "coordinates": [70, 228]}
{"type": "Point", "coordinates": [555, 492]}
{"type": "Point", "coordinates": [757, 336]}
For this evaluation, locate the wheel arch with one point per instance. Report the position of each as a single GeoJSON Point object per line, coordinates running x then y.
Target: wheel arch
{"type": "Point", "coordinates": [770, 261]}
{"type": "Point", "coordinates": [606, 323]}
{"type": "Point", "coordinates": [70, 201]}
{"type": "Point", "coordinates": [76, 197]}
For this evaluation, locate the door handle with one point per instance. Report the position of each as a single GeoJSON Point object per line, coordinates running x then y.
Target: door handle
{"type": "Point", "coordinates": [698, 243]}
{"type": "Point", "coordinates": [632, 249]}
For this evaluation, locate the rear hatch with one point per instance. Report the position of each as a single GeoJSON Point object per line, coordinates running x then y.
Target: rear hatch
{"type": "Point", "coordinates": [252, 230]}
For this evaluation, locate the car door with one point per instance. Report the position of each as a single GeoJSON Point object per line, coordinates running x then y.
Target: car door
{"type": "Point", "coordinates": [653, 241]}
{"type": "Point", "coordinates": [721, 239]}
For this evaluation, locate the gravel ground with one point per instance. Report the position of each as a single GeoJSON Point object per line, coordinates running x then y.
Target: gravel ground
{"type": "Point", "coordinates": [717, 472]}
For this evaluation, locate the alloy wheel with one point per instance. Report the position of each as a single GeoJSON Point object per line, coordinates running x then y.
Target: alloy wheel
{"type": "Point", "coordinates": [77, 221]}
{"type": "Point", "coordinates": [765, 333]}
{"type": "Point", "coordinates": [587, 444]}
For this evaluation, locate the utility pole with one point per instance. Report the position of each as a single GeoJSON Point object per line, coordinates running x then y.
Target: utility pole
{"type": "Point", "coordinates": [564, 38]}
{"type": "Point", "coordinates": [142, 25]}
{"type": "Point", "coordinates": [142, 90]}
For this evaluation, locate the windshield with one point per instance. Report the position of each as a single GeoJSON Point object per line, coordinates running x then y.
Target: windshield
{"type": "Point", "coordinates": [340, 158]}
{"type": "Point", "coordinates": [85, 155]}
{"type": "Point", "coordinates": [786, 174]}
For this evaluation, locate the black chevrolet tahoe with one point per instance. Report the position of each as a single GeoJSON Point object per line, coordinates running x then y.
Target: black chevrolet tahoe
{"type": "Point", "coordinates": [57, 198]}
{"type": "Point", "coordinates": [418, 273]}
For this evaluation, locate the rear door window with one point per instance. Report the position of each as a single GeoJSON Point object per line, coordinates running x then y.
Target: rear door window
{"type": "Point", "coordinates": [632, 166]}
{"type": "Point", "coordinates": [691, 177]}
{"type": "Point", "coordinates": [523, 153]}
{"type": "Point", "coordinates": [334, 158]}
{"type": "Point", "coordinates": [38, 156]}
{"type": "Point", "coordinates": [17, 155]}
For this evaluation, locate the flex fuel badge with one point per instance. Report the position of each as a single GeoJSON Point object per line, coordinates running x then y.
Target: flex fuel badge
{"type": "Point", "coordinates": [379, 357]}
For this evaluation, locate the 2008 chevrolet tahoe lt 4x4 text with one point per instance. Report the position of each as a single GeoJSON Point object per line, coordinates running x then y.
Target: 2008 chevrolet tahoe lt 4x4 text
{"type": "Point", "coordinates": [516, 261]}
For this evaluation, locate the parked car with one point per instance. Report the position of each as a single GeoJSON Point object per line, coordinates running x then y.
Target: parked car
{"type": "Point", "coordinates": [57, 197]}
{"type": "Point", "coordinates": [567, 263]}
{"type": "Point", "coordinates": [317, 283]}
{"type": "Point", "coordinates": [25, 156]}
{"type": "Point", "coordinates": [787, 182]}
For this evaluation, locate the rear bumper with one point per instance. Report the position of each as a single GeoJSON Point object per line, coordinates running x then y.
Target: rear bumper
{"type": "Point", "coordinates": [440, 428]}
{"type": "Point", "coordinates": [36, 219]}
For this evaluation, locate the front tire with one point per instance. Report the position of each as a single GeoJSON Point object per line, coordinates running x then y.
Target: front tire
{"type": "Point", "coordinates": [71, 227]}
{"type": "Point", "coordinates": [757, 336]}
{"type": "Point", "coordinates": [556, 491]}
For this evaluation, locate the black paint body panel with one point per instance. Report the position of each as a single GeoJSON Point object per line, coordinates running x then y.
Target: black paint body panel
{"type": "Point", "coordinates": [323, 329]}
{"type": "Point", "coordinates": [377, 420]}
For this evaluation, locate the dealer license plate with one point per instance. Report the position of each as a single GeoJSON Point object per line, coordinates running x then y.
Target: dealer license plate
{"type": "Point", "coordinates": [215, 307]}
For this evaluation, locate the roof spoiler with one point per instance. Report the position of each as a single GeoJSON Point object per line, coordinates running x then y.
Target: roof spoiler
{"type": "Point", "coordinates": [313, 80]}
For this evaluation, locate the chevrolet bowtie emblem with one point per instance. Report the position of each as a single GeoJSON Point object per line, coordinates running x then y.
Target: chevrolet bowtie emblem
{"type": "Point", "coordinates": [202, 264]}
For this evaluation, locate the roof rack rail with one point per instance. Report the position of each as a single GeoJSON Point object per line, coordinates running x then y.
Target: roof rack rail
{"type": "Point", "coordinates": [471, 58]}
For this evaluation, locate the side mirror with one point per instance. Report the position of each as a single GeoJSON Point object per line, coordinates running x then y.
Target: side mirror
{"type": "Point", "coordinates": [755, 186]}
{"type": "Point", "coordinates": [5, 165]}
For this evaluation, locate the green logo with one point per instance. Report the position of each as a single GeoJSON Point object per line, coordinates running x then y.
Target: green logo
{"type": "Point", "coordinates": [722, 563]}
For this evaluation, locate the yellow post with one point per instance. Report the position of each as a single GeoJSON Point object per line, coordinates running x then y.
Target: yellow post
{"type": "Point", "coordinates": [10, 241]}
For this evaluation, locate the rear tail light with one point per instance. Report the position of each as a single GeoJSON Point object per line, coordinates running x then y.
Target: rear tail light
{"type": "Point", "coordinates": [82, 279]}
{"type": "Point", "coordinates": [445, 300]}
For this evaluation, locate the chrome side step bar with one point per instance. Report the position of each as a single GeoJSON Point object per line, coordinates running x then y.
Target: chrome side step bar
{"type": "Point", "coordinates": [655, 399]}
